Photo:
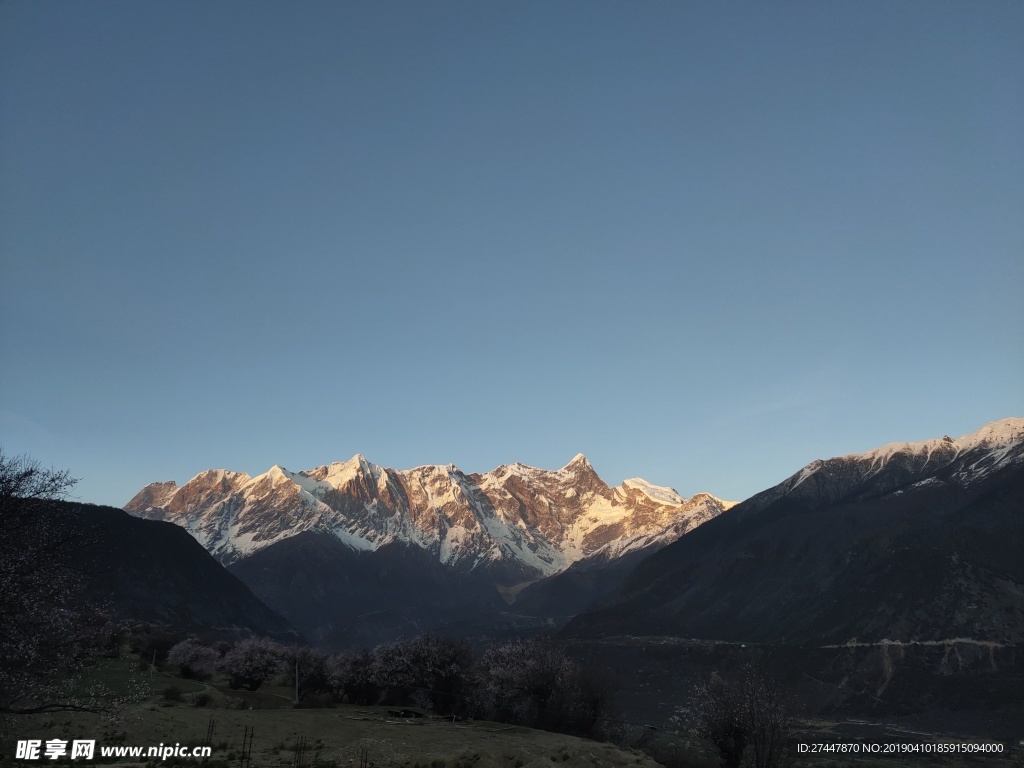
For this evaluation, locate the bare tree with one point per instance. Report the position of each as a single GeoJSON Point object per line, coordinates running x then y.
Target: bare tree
{"type": "Point", "coordinates": [768, 717]}
{"type": "Point", "coordinates": [24, 481]}
{"type": "Point", "coordinates": [751, 716]}
{"type": "Point", "coordinates": [45, 637]}
{"type": "Point", "coordinates": [715, 714]}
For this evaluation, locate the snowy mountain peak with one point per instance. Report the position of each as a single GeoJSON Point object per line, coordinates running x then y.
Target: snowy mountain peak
{"type": "Point", "coordinates": [964, 461]}
{"type": "Point", "coordinates": [516, 520]}
{"type": "Point", "coordinates": [219, 476]}
{"type": "Point", "coordinates": [1002, 432]}
{"type": "Point", "coordinates": [363, 464]}
{"type": "Point", "coordinates": [998, 433]}
{"type": "Point", "coordinates": [656, 492]}
{"type": "Point", "coordinates": [711, 498]}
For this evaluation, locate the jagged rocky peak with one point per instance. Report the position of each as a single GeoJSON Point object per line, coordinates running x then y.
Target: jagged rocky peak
{"type": "Point", "coordinates": [708, 498]}
{"type": "Point", "coordinates": [153, 496]}
{"type": "Point", "coordinates": [340, 473]}
{"type": "Point", "coordinates": [578, 462]}
{"type": "Point", "coordinates": [162, 501]}
{"type": "Point", "coordinates": [655, 492]}
{"type": "Point", "coordinates": [213, 481]}
{"type": "Point", "coordinates": [532, 521]}
{"type": "Point", "coordinates": [278, 474]}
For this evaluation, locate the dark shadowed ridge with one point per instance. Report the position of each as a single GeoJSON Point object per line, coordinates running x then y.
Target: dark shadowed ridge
{"type": "Point", "coordinates": [157, 573]}
{"type": "Point", "coordinates": [340, 597]}
{"type": "Point", "coordinates": [910, 546]}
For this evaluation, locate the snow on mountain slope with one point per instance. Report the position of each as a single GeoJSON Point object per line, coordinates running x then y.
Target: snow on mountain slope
{"type": "Point", "coordinates": [894, 467]}
{"type": "Point", "coordinates": [518, 520]}
{"type": "Point", "coordinates": [656, 492]}
{"type": "Point", "coordinates": [910, 542]}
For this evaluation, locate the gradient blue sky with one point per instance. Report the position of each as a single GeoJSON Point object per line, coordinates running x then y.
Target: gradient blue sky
{"type": "Point", "coordinates": [703, 243]}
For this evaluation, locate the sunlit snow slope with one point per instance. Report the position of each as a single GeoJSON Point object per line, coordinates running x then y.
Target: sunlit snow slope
{"type": "Point", "coordinates": [522, 521]}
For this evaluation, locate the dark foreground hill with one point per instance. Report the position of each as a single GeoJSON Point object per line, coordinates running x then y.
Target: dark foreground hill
{"type": "Point", "coordinates": [560, 597]}
{"type": "Point", "coordinates": [151, 572]}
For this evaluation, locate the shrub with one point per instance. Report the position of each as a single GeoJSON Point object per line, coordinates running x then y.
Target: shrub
{"type": "Point", "coordinates": [172, 693]}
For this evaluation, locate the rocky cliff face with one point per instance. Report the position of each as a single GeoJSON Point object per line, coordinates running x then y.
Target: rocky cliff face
{"type": "Point", "coordinates": [517, 522]}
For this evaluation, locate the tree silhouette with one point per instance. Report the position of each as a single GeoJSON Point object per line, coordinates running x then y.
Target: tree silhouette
{"type": "Point", "coordinates": [749, 716]}
{"type": "Point", "coordinates": [45, 637]}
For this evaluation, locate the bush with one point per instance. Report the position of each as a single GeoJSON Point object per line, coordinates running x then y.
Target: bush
{"type": "Point", "coordinates": [152, 644]}
{"type": "Point", "coordinates": [172, 693]}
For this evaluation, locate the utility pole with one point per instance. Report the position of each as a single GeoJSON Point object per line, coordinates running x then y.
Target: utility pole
{"type": "Point", "coordinates": [296, 680]}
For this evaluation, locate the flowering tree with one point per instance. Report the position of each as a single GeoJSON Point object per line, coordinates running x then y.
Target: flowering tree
{"type": "Point", "coordinates": [195, 659]}
{"type": "Point", "coordinates": [429, 671]}
{"type": "Point", "coordinates": [715, 713]}
{"type": "Point", "coordinates": [531, 682]}
{"type": "Point", "coordinates": [311, 666]}
{"type": "Point", "coordinates": [446, 670]}
{"type": "Point", "coordinates": [45, 637]}
{"type": "Point", "coordinates": [350, 675]}
{"type": "Point", "coordinates": [252, 662]}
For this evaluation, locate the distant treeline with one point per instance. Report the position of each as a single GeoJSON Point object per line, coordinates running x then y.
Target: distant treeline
{"type": "Point", "coordinates": [527, 682]}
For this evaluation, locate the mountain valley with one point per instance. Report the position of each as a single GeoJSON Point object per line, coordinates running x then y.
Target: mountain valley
{"type": "Point", "coordinates": [355, 553]}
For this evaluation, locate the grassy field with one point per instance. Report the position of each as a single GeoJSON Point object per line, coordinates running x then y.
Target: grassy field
{"type": "Point", "coordinates": [175, 711]}
{"type": "Point", "coordinates": [333, 737]}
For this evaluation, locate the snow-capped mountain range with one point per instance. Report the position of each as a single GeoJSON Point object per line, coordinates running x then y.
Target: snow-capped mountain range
{"type": "Point", "coordinates": [519, 522]}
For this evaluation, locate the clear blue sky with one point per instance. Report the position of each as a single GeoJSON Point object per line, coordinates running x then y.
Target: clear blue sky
{"type": "Point", "coordinates": [703, 243]}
